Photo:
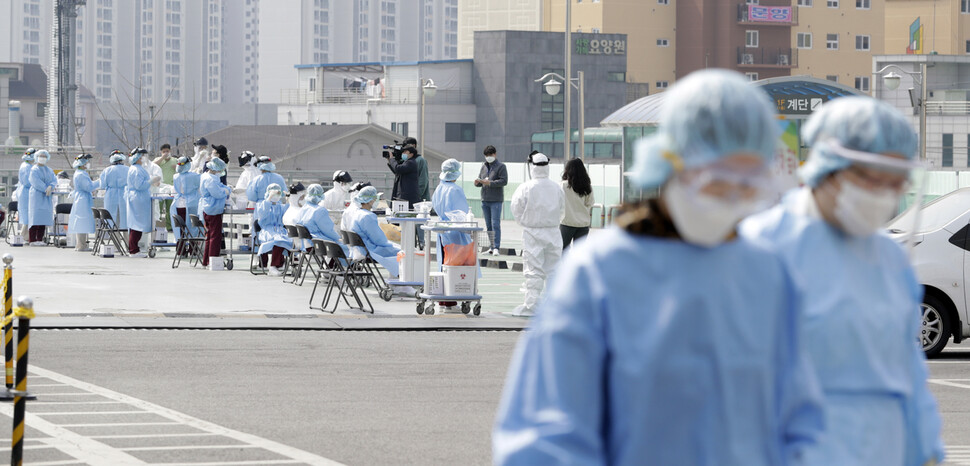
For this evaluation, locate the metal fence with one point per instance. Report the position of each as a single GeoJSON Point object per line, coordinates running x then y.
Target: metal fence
{"type": "Point", "coordinates": [394, 95]}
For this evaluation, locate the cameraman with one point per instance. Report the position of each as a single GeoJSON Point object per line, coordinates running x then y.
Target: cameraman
{"type": "Point", "coordinates": [406, 177]}
{"type": "Point", "coordinates": [424, 187]}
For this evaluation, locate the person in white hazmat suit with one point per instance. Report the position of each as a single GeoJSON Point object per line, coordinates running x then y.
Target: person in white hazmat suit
{"type": "Point", "coordinates": [336, 197]}
{"type": "Point", "coordinates": [538, 205]}
{"type": "Point", "coordinates": [202, 155]}
{"type": "Point", "coordinates": [248, 163]}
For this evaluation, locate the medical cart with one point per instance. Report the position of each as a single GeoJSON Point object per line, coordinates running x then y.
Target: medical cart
{"type": "Point", "coordinates": [426, 301]}
{"type": "Point", "coordinates": [410, 222]}
{"type": "Point", "coordinates": [153, 245]}
{"type": "Point", "coordinates": [234, 229]}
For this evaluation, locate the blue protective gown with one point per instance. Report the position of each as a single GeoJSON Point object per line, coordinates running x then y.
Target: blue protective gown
{"type": "Point", "coordinates": [316, 219]}
{"type": "Point", "coordinates": [272, 232]}
{"type": "Point", "coordinates": [449, 197]}
{"type": "Point", "coordinates": [214, 195]}
{"type": "Point", "coordinates": [113, 181]}
{"type": "Point", "coordinates": [82, 219]}
{"type": "Point", "coordinates": [861, 328]}
{"type": "Point", "coordinates": [256, 191]}
{"type": "Point", "coordinates": [138, 199]}
{"type": "Point", "coordinates": [41, 205]}
{"type": "Point", "coordinates": [23, 193]}
{"type": "Point", "coordinates": [648, 351]}
{"type": "Point", "coordinates": [188, 193]}
{"type": "Point", "coordinates": [364, 223]}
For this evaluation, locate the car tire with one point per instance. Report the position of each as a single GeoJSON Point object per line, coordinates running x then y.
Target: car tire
{"type": "Point", "coordinates": [934, 325]}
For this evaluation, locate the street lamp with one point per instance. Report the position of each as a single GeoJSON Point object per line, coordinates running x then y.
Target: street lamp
{"type": "Point", "coordinates": [428, 89]}
{"type": "Point", "coordinates": [553, 87]}
{"type": "Point", "coordinates": [892, 80]}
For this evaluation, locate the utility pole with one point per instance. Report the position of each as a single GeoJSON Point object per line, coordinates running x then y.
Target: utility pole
{"type": "Point", "coordinates": [62, 96]}
{"type": "Point", "coordinates": [567, 112]}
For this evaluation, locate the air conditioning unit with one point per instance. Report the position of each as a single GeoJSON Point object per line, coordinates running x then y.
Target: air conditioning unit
{"type": "Point", "coordinates": [783, 59]}
{"type": "Point", "coordinates": [747, 59]}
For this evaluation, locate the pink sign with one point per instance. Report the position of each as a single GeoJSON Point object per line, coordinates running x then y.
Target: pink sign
{"type": "Point", "coordinates": [769, 14]}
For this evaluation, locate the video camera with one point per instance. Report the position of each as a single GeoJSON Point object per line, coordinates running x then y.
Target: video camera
{"type": "Point", "coordinates": [394, 150]}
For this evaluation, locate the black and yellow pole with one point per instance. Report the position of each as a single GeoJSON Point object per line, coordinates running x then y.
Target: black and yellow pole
{"type": "Point", "coordinates": [7, 326]}
{"type": "Point", "coordinates": [24, 312]}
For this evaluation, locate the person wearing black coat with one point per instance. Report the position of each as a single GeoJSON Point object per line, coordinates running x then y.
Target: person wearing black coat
{"type": "Point", "coordinates": [405, 176]}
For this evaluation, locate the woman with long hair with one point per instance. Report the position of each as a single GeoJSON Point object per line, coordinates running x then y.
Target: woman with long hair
{"type": "Point", "coordinates": [579, 202]}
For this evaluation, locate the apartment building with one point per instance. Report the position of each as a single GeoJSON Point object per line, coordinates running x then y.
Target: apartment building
{"type": "Point", "coordinates": [495, 15]}
{"type": "Point", "coordinates": [836, 39]}
{"type": "Point", "coordinates": [25, 31]}
{"type": "Point", "coordinates": [940, 26]}
{"type": "Point", "coordinates": [651, 30]}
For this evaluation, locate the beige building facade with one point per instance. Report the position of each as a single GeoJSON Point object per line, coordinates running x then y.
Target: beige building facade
{"type": "Point", "coordinates": [945, 25]}
{"type": "Point", "coordinates": [836, 39]}
{"type": "Point", "coordinates": [495, 15]}
{"type": "Point", "coordinates": [649, 25]}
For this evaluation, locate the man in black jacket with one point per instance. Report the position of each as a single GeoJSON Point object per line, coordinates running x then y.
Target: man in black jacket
{"type": "Point", "coordinates": [492, 179]}
{"type": "Point", "coordinates": [406, 174]}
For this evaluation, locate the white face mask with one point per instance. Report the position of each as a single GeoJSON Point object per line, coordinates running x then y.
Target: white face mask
{"type": "Point", "coordinates": [702, 219]}
{"type": "Point", "coordinates": [861, 212]}
{"type": "Point", "coordinates": [41, 160]}
{"type": "Point", "coordinates": [274, 198]}
{"type": "Point", "coordinates": [490, 159]}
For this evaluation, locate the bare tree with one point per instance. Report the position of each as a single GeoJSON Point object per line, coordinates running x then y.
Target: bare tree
{"type": "Point", "coordinates": [130, 114]}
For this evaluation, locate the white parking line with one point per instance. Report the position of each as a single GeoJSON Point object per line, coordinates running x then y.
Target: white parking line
{"type": "Point", "coordinates": [122, 424]}
{"type": "Point", "coordinates": [295, 454]}
{"type": "Point", "coordinates": [190, 447]}
{"type": "Point", "coordinates": [949, 383]}
{"type": "Point", "coordinates": [216, 463]}
{"type": "Point", "coordinates": [193, 434]}
{"type": "Point", "coordinates": [71, 413]}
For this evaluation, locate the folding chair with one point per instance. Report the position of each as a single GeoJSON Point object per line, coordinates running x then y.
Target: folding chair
{"type": "Point", "coordinates": [200, 252]}
{"type": "Point", "coordinates": [339, 276]}
{"type": "Point", "coordinates": [296, 254]}
{"type": "Point", "coordinates": [255, 265]}
{"type": "Point", "coordinates": [186, 243]}
{"type": "Point", "coordinates": [307, 238]}
{"type": "Point", "coordinates": [10, 225]}
{"type": "Point", "coordinates": [112, 233]}
{"type": "Point", "coordinates": [98, 231]}
{"type": "Point", "coordinates": [60, 209]}
{"type": "Point", "coordinates": [368, 263]}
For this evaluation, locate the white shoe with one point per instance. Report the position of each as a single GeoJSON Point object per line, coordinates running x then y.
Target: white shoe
{"type": "Point", "coordinates": [139, 255]}
{"type": "Point", "coordinates": [522, 311]}
{"type": "Point", "coordinates": [447, 309]}
{"type": "Point", "coordinates": [274, 272]}
{"type": "Point", "coordinates": [495, 252]}
{"type": "Point", "coordinates": [405, 291]}
{"type": "Point", "coordinates": [38, 243]}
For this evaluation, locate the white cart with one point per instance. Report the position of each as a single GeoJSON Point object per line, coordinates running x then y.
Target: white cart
{"type": "Point", "coordinates": [426, 300]}
{"type": "Point", "coordinates": [411, 272]}
{"type": "Point", "coordinates": [152, 244]}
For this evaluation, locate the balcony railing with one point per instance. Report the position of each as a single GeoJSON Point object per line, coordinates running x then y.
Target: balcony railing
{"type": "Point", "coordinates": [947, 107]}
{"type": "Point", "coordinates": [393, 95]}
{"type": "Point", "coordinates": [767, 58]}
{"type": "Point", "coordinates": [766, 15]}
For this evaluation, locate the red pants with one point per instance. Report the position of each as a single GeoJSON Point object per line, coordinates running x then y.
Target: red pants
{"type": "Point", "coordinates": [213, 237]}
{"type": "Point", "coordinates": [134, 236]}
{"type": "Point", "coordinates": [277, 257]}
{"type": "Point", "coordinates": [36, 233]}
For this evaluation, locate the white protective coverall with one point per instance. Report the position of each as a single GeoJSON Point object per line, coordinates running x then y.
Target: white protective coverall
{"type": "Point", "coordinates": [201, 158]}
{"type": "Point", "coordinates": [249, 174]}
{"type": "Point", "coordinates": [336, 197]}
{"type": "Point", "coordinates": [538, 205]}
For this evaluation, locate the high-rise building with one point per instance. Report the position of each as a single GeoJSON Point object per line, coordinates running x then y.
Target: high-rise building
{"type": "Point", "coordinates": [495, 15]}
{"type": "Point", "coordinates": [295, 32]}
{"type": "Point", "coordinates": [25, 27]}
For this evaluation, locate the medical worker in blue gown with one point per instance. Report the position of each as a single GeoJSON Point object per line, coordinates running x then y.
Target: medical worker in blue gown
{"type": "Point", "coordinates": [138, 200]}
{"type": "Point", "coordinates": [861, 296]}
{"type": "Point", "coordinates": [256, 192]}
{"type": "Point", "coordinates": [188, 192]}
{"type": "Point", "coordinates": [668, 340]}
{"type": "Point", "coordinates": [81, 221]}
{"type": "Point", "coordinates": [114, 178]}
{"type": "Point", "coordinates": [42, 183]}
{"type": "Point", "coordinates": [364, 222]}
{"type": "Point", "coordinates": [447, 199]}
{"type": "Point", "coordinates": [316, 218]}
{"type": "Point", "coordinates": [23, 190]}
{"type": "Point", "coordinates": [273, 239]}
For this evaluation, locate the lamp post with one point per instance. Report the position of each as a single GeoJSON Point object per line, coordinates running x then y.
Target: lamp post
{"type": "Point", "coordinates": [428, 89]}
{"type": "Point", "coordinates": [567, 107]}
{"type": "Point", "coordinates": [553, 87]}
{"type": "Point", "coordinates": [892, 81]}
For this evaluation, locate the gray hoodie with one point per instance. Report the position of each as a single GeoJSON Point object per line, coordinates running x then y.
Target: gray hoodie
{"type": "Point", "coordinates": [499, 176]}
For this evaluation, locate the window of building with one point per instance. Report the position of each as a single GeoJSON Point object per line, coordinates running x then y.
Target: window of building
{"type": "Point", "coordinates": [596, 30]}
{"type": "Point", "coordinates": [862, 83]}
{"type": "Point", "coordinates": [752, 76]}
{"type": "Point", "coordinates": [662, 42]}
{"type": "Point", "coordinates": [862, 4]}
{"type": "Point", "coordinates": [459, 132]}
{"type": "Point", "coordinates": [832, 78]}
{"type": "Point", "coordinates": [400, 128]}
{"type": "Point", "coordinates": [968, 150]}
{"type": "Point", "coordinates": [965, 6]}
{"type": "Point", "coordinates": [968, 46]}
{"type": "Point", "coordinates": [832, 41]}
{"type": "Point", "coordinates": [751, 2]}
{"type": "Point", "coordinates": [616, 76]}
{"type": "Point", "coordinates": [41, 109]}
{"type": "Point", "coordinates": [805, 3]}
{"type": "Point", "coordinates": [862, 43]}
{"type": "Point", "coordinates": [804, 40]}
{"type": "Point", "coordinates": [947, 150]}
{"type": "Point", "coordinates": [662, 84]}
{"type": "Point", "coordinates": [832, 3]}
{"type": "Point", "coordinates": [751, 39]}
{"type": "Point", "coordinates": [663, 2]}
